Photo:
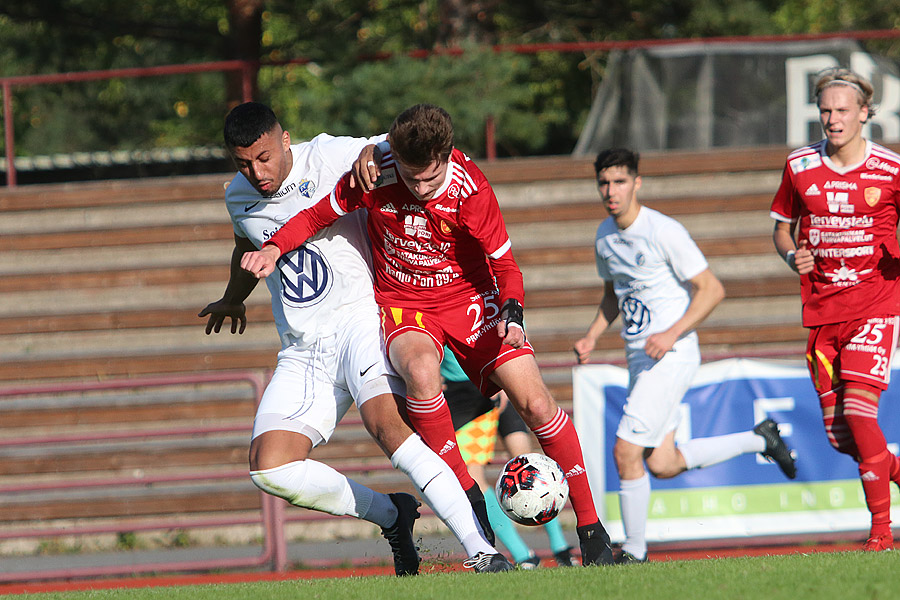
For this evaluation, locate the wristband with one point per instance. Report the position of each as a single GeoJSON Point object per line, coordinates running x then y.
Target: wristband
{"type": "Point", "coordinates": [789, 257]}
{"type": "Point", "coordinates": [515, 314]}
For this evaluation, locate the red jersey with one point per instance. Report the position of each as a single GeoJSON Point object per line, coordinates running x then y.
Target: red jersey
{"type": "Point", "coordinates": [848, 216]}
{"type": "Point", "coordinates": [425, 255]}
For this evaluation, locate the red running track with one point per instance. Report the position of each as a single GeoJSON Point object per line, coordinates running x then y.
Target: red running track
{"type": "Point", "coordinates": [217, 578]}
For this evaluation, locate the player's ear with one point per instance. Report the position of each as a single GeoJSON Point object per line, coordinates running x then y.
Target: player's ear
{"type": "Point", "coordinates": [286, 139]}
{"type": "Point", "coordinates": [637, 182]}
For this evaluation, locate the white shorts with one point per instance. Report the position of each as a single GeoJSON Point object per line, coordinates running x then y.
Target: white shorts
{"type": "Point", "coordinates": [312, 388]}
{"type": "Point", "coordinates": [655, 390]}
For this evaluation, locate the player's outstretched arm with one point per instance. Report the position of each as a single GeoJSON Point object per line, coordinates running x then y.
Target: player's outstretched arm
{"type": "Point", "coordinates": [231, 304]}
{"type": "Point", "coordinates": [606, 314]}
{"type": "Point", "coordinates": [295, 232]}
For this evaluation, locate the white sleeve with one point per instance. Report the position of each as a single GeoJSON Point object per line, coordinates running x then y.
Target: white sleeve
{"type": "Point", "coordinates": [233, 193]}
{"type": "Point", "coordinates": [602, 269]}
{"type": "Point", "coordinates": [338, 153]}
{"type": "Point", "coordinates": [681, 252]}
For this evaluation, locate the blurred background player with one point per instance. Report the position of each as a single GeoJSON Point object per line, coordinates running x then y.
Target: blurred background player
{"type": "Point", "coordinates": [658, 280]}
{"type": "Point", "coordinates": [332, 351]}
{"type": "Point", "coordinates": [479, 423]}
{"type": "Point", "coordinates": [844, 192]}
{"type": "Point", "coordinates": [445, 275]}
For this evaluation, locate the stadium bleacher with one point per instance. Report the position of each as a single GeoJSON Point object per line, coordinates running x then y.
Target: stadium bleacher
{"type": "Point", "coordinates": [104, 280]}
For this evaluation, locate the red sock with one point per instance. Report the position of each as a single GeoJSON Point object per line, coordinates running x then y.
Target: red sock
{"type": "Point", "coordinates": [895, 469]}
{"type": "Point", "coordinates": [559, 441]}
{"type": "Point", "coordinates": [875, 483]}
{"type": "Point", "coordinates": [874, 457]}
{"type": "Point", "coordinates": [836, 429]}
{"type": "Point", "coordinates": [431, 420]}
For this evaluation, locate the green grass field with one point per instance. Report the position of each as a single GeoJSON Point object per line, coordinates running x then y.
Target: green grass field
{"type": "Point", "coordinates": [814, 576]}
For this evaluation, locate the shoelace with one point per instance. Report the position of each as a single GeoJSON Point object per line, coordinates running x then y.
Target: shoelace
{"type": "Point", "coordinates": [879, 540]}
{"type": "Point", "coordinates": [477, 562]}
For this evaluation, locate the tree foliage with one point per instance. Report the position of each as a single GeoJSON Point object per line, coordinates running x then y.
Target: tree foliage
{"type": "Point", "coordinates": [539, 101]}
{"type": "Point", "coordinates": [57, 36]}
{"type": "Point", "coordinates": [367, 99]}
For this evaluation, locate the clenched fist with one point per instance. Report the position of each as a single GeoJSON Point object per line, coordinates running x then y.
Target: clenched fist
{"type": "Point", "coordinates": [261, 263]}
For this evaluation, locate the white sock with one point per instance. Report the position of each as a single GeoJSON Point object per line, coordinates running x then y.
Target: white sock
{"type": "Point", "coordinates": [317, 486]}
{"type": "Point", "coordinates": [441, 491]}
{"type": "Point", "coordinates": [634, 501]}
{"type": "Point", "coordinates": [705, 452]}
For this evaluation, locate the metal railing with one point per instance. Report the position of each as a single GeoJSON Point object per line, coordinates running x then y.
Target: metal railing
{"type": "Point", "coordinates": [271, 516]}
{"type": "Point", "coordinates": [247, 69]}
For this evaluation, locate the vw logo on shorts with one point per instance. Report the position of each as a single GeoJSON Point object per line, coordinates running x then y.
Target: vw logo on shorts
{"type": "Point", "coordinates": [305, 276]}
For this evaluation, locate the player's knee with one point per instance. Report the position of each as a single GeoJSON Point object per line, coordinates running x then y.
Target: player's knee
{"type": "Point", "coordinates": [663, 470]}
{"type": "Point", "coordinates": [533, 417]}
{"type": "Point", "coordinates": [272, 449]}
{"type": "Point", "coordinates": [629, 460]}
{"type": "Point", "coordinates": [665, 461]}
{"type": "Point", "coordinates": [536, 409]}
{"type": "Point", "coordinates": [284, 481]}
{"type": "Point", "coordinates": [421, 373]}
{"type": "Point", "coordinates": [261, 480]}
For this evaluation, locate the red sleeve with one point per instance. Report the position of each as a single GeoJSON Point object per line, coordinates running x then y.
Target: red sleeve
{"type": "Point", "coordinates": [509, 278]}
{"type": "Point", "coordinates": [303, 225]}
{"type": "Point", "coordinates": [480, 214]}
{"type": "Point", "coordinates": [315, 218]}
{"type": "Point", "coordinates": [784, 204]}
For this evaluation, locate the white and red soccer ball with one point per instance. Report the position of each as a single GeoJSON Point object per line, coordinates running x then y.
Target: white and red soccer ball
{"type": "Point", "coordinates": [532, 489]}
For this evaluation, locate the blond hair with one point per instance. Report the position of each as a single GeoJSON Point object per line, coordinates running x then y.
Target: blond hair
{"type": "Point", "coordinates": [846, 77]}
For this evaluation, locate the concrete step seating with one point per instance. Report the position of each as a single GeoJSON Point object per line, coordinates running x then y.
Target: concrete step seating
{"type": "Point", "coordinates": [146, 453]}
{"type": "Point", "coordinates": [104, 271]}
{"type": "Point", "coordinates": [104, 280]}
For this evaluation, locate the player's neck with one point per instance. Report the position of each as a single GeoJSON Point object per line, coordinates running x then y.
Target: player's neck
{"type": "Point", "coordinates": [627, 218]}
{"type": "Point", "coordinates": [290, 163]}
{"type": "Point", "coordinates": [851, 153]}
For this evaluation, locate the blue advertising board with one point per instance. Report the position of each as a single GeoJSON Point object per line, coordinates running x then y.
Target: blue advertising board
{"type": "Point", "coordinates": [746, 495]}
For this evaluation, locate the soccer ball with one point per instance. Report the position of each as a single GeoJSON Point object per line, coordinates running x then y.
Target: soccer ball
{"type": "Point", "coordinates": [532, 489]}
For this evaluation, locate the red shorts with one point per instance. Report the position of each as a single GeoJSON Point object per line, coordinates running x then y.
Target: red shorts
{"type": "Point", "coordinates": [469, 329]}
{"type": "Point", "coordinates": [859, 350]}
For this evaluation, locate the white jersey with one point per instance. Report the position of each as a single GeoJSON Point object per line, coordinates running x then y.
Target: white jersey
{"type": "Point", "coordinates": [308, 296]}
{"type": "Point", "coordinates": [650, 264]}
